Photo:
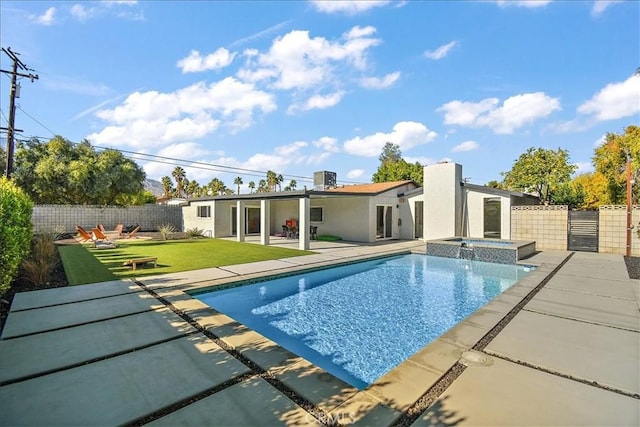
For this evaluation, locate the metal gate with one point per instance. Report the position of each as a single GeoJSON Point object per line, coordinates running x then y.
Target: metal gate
{"type": "Point", "coordinates": [583, 231]}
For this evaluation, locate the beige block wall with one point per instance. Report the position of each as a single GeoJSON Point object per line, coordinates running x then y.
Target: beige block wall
{"type": "Point", "coordinates": [547, 225]}
{"type": "Point", "coordinates": [613, 230]}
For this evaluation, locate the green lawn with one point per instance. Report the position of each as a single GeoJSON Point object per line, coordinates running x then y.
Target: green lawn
{"type": "Point", "coordinates": [86, 264]}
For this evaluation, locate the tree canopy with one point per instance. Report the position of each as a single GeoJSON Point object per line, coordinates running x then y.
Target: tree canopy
{"type": "Point", "coordinates": [61, 172]}
{"type": "Point", "coordinates": [610, 160]}
{"type": "Point", "coordinates": [394, 168]}
{"type": "Point", "coordinates": [541, 171]}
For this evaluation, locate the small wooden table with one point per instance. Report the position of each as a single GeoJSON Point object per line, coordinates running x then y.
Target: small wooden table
{"type": "Point", "coordinates": [140, 261]}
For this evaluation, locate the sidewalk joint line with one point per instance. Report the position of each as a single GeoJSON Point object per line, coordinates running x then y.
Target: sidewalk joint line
{"type": "Point", "coordinates": [563, 375]}
{"type": "Point", "coordinates": [95, 359]}
{"type": "Point", "coordinates": [580, 320]}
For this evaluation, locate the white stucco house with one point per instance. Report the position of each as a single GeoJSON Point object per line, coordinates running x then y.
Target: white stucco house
{"type": "Point", "coordinates": [444, 207]}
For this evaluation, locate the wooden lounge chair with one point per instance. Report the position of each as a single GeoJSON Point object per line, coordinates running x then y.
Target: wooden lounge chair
{"type": "Point", "coordinates": [84, 234]}
{"type": "Point", "coordinates": [101, 228]}
{"type": "Point", "coordinates": [100, 240]}
{"type": "Point", "coordinates": [118, 229]}
{"type": "Point", "coordinates": [132, 234]}
{"type": "Point", "coordinates": [99, 235]}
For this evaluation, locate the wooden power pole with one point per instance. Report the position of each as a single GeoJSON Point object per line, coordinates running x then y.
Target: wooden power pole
{"type": "Point", "coordinates": [12, 102]}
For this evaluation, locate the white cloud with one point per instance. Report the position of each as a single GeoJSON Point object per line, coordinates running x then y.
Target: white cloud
{"type": "Point", "coordinates": [317, 102]}
{"type": "Point", "coordinates": [158, 119]}
{"type": "Point", "coordinates": [583, 167]}
{"type": "Point", "coordinates": [599, 6]}
{"type": "Point", "coordinates": [424, 161]}
{"type": "Point", "coordinates": [327, 143]}
{"type": "Point", "coordinates": [405, 134]}
{"type": "Point", "coordinates": [213, 61]}
{"type": "Point", "coordinates": [466, 146]}
{"type": "Point", "coordinates": [442, 51]}
{"type": "Point", "coordinates": [355, 173]}
{"type": "Point", "coordinates": [514, 113]}
{"type": "Point", "coordinates": [351, 7]}
{"type": "Point", "coordinates": [81, 13]}
{"type": "Point", "coordinates": [614, 101]}
{"type": "Point", "coordinates": [47, 18]}
{"type": "Point", "coordinates": [380, 82]}
{"type": "Point", "coordinates": [523, 3]}
{"type": "Point", "coordinates": [120, 2]}
{"type": "Point", "coordinates": [296, 61]}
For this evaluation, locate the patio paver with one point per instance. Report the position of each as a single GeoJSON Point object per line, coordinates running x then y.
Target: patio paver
{"type": "Point", "coordinates": [25, 356]}
{"type": "Point", "coordinates": [60, 316]}
{"type": "Point", "coordinates": [249, 403]}
{"type": "Point", "coordinates": [507, 394]}
{"type": "Point", "coordinates": [121, 389]}
{"type": "Point", "coordinates": [573, 348]}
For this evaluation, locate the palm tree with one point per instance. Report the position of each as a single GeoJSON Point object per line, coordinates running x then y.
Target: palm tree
{"type": "Point", "coordinates": [272, 180]}
{"type": "Point", "coordinates": [262, 186]}
{"type": "Point", "coordinates": [179, 175]}
{"type": "Point", "coordinates": [279, 180]}
{"type": "Point", "coordinates": [167, 186]}
{"type": "Point", "coordinates": [193, 189]}
{"type": "Point", "coordinates": [216, 186]}
{"type": "Point", "coordinates": [292, 184]}
{"type": "Point", "coordinates": [238, 182]}
{"type": "Point", "coordinates": [252, 186]}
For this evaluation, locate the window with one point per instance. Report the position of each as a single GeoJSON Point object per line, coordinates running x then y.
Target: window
{"type": "Point", "coordinates": [204, 211]}
{"type": "Point", "coordinates": [317, 214]}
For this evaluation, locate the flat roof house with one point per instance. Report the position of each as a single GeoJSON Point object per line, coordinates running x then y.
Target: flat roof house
{"type": "Point", "coordinates": [445, 207]}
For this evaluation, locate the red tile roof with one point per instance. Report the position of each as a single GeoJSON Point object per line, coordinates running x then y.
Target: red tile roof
{"type": "Point", "coordinates": [374, 188]}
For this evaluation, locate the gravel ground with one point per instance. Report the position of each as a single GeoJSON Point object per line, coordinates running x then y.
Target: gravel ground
{"type": "Point", "coordinates": [633, 266]}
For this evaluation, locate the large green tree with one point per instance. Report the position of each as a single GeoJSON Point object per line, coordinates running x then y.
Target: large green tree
{"type": "Point", "coordinates": [61, 172]}
{"type": "Point", "coordinates": [394, 168]}
{"type": "Point", "coordinates": [610, 160]}
{"type": "Point", "coordinates": [540, 171]}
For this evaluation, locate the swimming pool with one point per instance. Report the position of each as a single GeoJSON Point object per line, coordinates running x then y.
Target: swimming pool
{"type": "Point", "coordinates": [359, 321]}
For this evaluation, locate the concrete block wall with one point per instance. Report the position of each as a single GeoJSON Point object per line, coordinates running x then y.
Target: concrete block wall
{"type": "Point", "coordinates": [64, 218]}
{"type": "Point", "coordinates": [547, 225]}
{"type": "Point", "coordinates": [613, 230]}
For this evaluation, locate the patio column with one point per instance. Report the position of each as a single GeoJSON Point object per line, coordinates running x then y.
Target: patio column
{"type": "Point", "coordinates": [303, 223]}
{"type": "Point", "coordinates": [240, 220]}
{"type": "Point", "coordinates": [213, 219]}
{"type": "Point", "coordinates": [265, 221]}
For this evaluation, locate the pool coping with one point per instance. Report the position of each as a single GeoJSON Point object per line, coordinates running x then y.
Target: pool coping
{"type": "Point", "coordinates": [392, 396]}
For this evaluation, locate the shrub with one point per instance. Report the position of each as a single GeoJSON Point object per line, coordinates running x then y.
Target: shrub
{"type": "Point", "coordinates": [16, 230]}
{"type": "Point", "coordinates": [194, 233]}
{"type": "Point", "coordinates": [166, 230]}
{"type": "Point", "coordinates": [38, 267]}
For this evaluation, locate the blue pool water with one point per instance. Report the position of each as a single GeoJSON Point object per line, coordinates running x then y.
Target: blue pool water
{"type": "Point", "coordinates": [360, 320]}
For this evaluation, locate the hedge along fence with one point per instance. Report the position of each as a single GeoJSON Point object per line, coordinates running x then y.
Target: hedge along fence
{"type": "Point", "coordinates": [64, 218]}
{"type": "Point", "coordinates": [15, 230]}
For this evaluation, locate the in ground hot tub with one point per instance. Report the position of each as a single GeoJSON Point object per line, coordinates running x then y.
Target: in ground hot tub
{"type": "Point", "coordinates": [489, 250]}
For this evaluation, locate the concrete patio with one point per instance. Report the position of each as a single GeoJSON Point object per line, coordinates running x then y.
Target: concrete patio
{"type": "Point", "coordinates": [561, 347]}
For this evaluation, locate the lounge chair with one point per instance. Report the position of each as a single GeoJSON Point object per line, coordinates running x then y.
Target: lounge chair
{"type": "Point", "coordinates": [132, 234]}
{"type": "Point", "coordinates": [100, 240]}
{"type": "Point", "coordinates": [101, 228]}
{"type": "Point", "coordinates": [84, 234]}
{"type": "Point", "coordinates": [99, 235]}
{"type": "Point", "coordinates": [118, 229]}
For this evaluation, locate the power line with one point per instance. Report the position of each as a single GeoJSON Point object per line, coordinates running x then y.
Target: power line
{"type": "Point", "coordinates": [182, 162]}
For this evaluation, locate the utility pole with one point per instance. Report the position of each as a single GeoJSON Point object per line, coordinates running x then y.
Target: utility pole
{"type": "Point", "coordinates": [12, 102]}
{"type": "Point", "coordinates": [629, 203]}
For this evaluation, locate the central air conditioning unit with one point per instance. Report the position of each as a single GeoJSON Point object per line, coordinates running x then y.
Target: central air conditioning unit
{"type": "Point", "coordinates": [324, 180]}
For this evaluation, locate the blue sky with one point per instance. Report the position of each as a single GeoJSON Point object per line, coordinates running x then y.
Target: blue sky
{"type": "Point", "coordinates": [304, 86]}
